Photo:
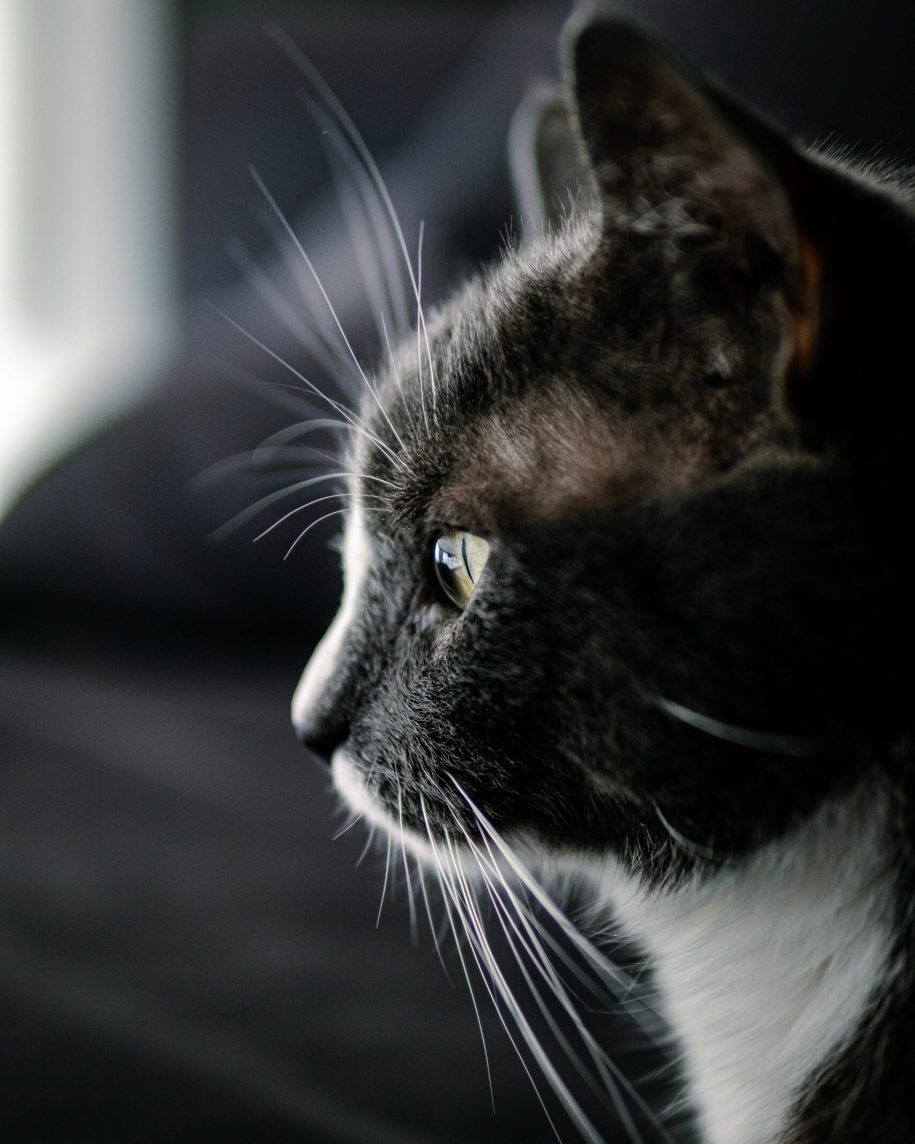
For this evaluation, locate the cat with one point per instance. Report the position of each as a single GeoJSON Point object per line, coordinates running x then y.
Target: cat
{"type": "Point", "coordinates": [628, 588]}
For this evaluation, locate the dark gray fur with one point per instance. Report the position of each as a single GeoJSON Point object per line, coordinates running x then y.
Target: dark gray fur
{"type": "Point", "coordinates": [687, 440]}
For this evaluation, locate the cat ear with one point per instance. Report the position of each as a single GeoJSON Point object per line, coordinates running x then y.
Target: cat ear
{"type": "Point", "coordinates": [547, 167]}
{"type": "Point", "coordinates": [671, 154]}
{"type": "Point", "coordinates": [663, 149]}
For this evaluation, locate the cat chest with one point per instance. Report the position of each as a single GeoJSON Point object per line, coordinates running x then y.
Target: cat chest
{"type": "Point", "coordinates": [765, 972]}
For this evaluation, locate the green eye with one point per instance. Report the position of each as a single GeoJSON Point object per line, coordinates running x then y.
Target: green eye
{"type": "Point", "coordinates": [459, 559]}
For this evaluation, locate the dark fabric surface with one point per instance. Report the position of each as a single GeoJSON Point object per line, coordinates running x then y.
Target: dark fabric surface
{"type": "Point", "coordinates": [185, 950]}
{"type": "Point", "coordinates": [184, 953]}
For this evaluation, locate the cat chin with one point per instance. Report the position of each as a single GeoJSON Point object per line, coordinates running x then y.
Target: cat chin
{"type": "Point", "coordinates": [350, 786]}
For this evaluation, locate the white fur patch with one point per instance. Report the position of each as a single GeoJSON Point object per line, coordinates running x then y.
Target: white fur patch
{"type": "Point", "coordinates": [765, 968]}
{"type": "Point", "coordinates": [352, 789]}
{"type": "Point", "coordinates": [357, 559]}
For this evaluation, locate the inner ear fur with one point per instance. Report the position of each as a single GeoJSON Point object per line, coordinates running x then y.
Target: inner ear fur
{"type": "Point", "coordinates": [548, 169]}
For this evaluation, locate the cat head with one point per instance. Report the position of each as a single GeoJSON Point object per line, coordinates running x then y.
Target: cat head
{"type": "Point", "coordinates": [625, 552]}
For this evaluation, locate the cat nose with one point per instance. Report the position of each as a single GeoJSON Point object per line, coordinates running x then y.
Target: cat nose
{"type": "Point", "coordinates": [320, 737]}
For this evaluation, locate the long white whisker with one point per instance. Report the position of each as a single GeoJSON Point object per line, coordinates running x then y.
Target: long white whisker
{"type": "Point", "coordinates": [706, 853]}
{"type": "Point", "coordinates": [384, 887]}
{"type": "Point", "coordinates": [261, 186]}
{"type": "Point", "coordinates": [610, 1073]}
{"type": "Point", "coordinates": [370, 200]}
{"type": "Point", "coordinates": [311, 73]}
{"type": "Point", "coordinates": [447, 893]}
{"type": "Point", "coordinates": [421, 317]}
{"type": "Point", "coordinates": [531, 921]}
{"type": "Point", "coordinates": [313, 424]}
{"type": "Point", "coordinates": [647, 1018]}
{"type": "Point", "coordinates": [314, 501]}
{"type": "Point", "coordinates": [396, 371]}
{"type": "Point", "coordinates": [354, 421]}
{"type": "Point", "coordinates": [281, 393]}
{"type": "Point", "coordinates": [419, 354]}
{"type": "Point", "coordinates": [246, 514]}
{"type": "Point", "coordinates": [597, 1054]}
{"type": "Point", "coordinates": [352, 822]}
{"type": "Point", "coordinates": [572, 1106]}
{"type": "Point", "coordinates": [368, 844]}
{"type": "Point", "coordinates": [291, 318]}
{"type": "Point", "coordinates": [406, 867]}
{"type": "Point", "coordinates": [356, 202]}
{"type": "Point", "coordinates": [481, 949]}
{"type": "Point", "coordinates": [322, 324]}
{"type": "Point", "coordinates": [273, 463]}
{"type": "Point", "coordinates": [356, 212]}
{"type": "Point", "coordinates": [433, 929]}
{"type": "Point", "coordinates": [314, 524]}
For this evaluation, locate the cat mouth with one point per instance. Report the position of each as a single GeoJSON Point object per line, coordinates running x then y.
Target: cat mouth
{"type": "Point", "coordinates": [352, 788]}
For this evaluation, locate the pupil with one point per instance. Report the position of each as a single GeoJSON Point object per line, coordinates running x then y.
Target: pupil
{"type": "Point", "coordinates": [466, 561]}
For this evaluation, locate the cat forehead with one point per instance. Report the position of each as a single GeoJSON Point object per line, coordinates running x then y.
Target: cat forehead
{"type": "Point", "coordinates": [554, 453]}
{"type": "Point", "coordinates": [554, 386]}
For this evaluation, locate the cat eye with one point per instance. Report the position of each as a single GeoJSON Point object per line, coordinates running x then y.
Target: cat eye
{"type": "Point", "coordinates": [459, 559]}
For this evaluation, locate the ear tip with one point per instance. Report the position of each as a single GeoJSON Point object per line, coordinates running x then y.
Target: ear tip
{"type": "Point", "coordinates": [595, 27]}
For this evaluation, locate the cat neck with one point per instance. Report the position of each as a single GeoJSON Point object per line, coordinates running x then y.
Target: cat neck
{"type": "Point", "coordinates": [768, 970]}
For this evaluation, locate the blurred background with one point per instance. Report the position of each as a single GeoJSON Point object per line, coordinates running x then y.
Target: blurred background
{"type": "Point", "coordinates": [183, 948]}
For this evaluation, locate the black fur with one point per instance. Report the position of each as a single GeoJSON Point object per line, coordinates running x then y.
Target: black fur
{"type": "Point", "coordinates": [682, 422]}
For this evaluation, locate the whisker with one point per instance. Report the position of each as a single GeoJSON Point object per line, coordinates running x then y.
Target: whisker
{"type": "Point", "coordinates": [279, 393]}
{"type": "Point", "coordinates": [571, 1105]}
{"type": "Point", "coordinates": [314, 524]}
{"type": "Point", "coordinates": [279, 305]}
{"type": "Point", "coordinates": [610, 1073]}
{"type": "Point", "coordinates": [241, 518]}
{"type": "Point", "coordinates": [369, 199]}
{"type": "Point", "coordinates": [352, 822]}
{"type": "Point", "coordinates": [354, 421]}
{"type": "Point", "coordinates": [706, 853]}
{"type": "Point", "coordinates": [356, 206]}
{"type": "Point", "coordinates": [303, 507]}
{"type": "Point", "coordinates": [397, 377]}
{"type": "Point", "coordinates": [261, 186]}
{"type": "Point", "coordinates": [592, 983]}
{"type": "Point", "coordinates": [384, 887]}
{"type": "Point", "coordinates": [322, 325]}
{"type": "Point", "coordinates": [406, 868]}
{"type": "Point", "coordinates": [312, 425]}
{"type": "Point", "coordinates": [356, 212]}
{"type": "Point", "coordinates": [481, 954]}
{"type": "Point", "coordinates": [281, 463]}
{"type": "Point", "coordinates": [446, 894]}
{"type": "Point", "coordinates": [420, 315]}
{"type": "Point", "coordinates": [336, 109]}
{"type": "Point", "coordinates": [368, 844]}
{"type": "Point", "coordinates": [419, 353]}
{"type": "Point", "coordinates": [600, 1058]}
{"type": "Point", "coordinates": [646, 1017]}
{"type": "Point", "coordinates": [433, 929]}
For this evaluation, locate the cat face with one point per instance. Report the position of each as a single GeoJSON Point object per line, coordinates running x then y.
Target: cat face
{"type": "Point", "coordinates": [609, 567]}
